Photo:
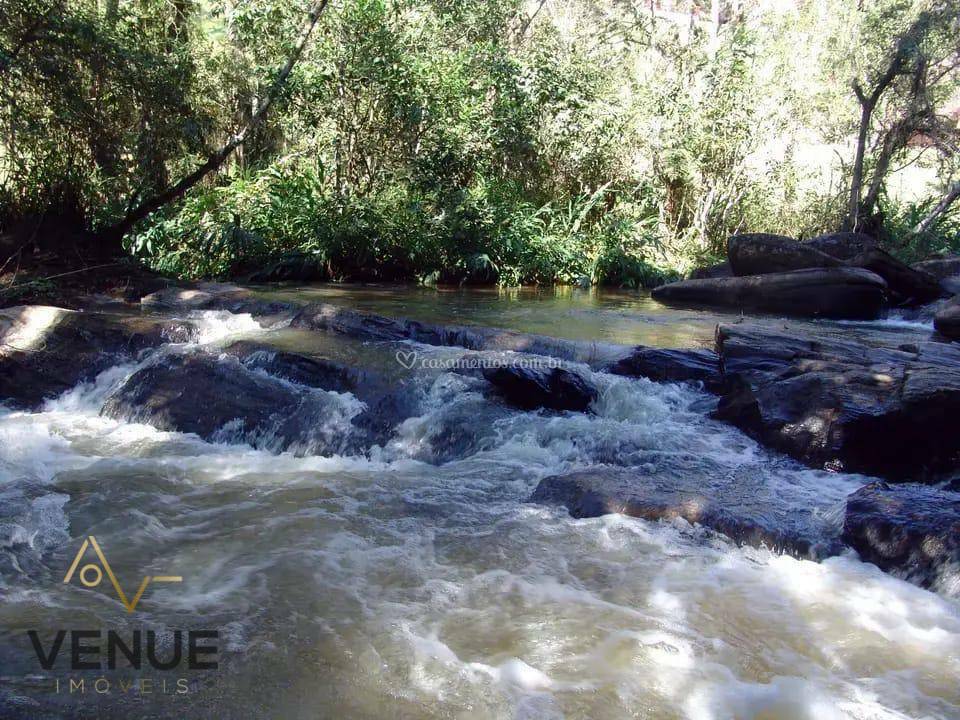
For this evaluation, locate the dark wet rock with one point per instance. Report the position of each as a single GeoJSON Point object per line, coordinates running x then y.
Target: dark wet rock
{"type": "Point", "coordinates": [940, 268]}
{"type": "Point", "coordinates": [762, 254]}
{"type": "Point", "coordinates": [909, 286]}
{"type": "Point", "coordinates": [712, 271]}
{"type": "Point", "coordinates": [553, 389]}
{"type": "Point", "coordinates": [842, 245]}
{"type": "Point", "coordinates": [748, 515]}
{"type": "Point", "coordinates": [839, 404]}
{"type": "Point", "coordinates": [222, 398]}
{"type": "Point", "coordinates": [200, 393]}
{"type": "Point", "coordinates": [849, 293]}
{"type": "Point", "coordinates": [668, 365]}
{"type": "Point", "coordinates": [46, 351]}
{"type": "Point", "coordinates": [947, 320]}
{"type": "Point", "coordinates": [317, 372]}
{"type": "Point", "coordinates": [910, 530]}
{"type": "Point", "coordinates": [293, 267]}
{"type": "Point", "coordinates": [387, 402]}
{"type": "Point", "coordinates": [369, 326]}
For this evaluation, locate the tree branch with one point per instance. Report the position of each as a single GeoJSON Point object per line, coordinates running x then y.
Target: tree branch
{"type": "Point", "coordinates": [952, 194]}
{"type": "Point", "coordinates": [218, 157]}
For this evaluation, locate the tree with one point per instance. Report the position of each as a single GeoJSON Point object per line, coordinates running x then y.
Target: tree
{"type": "Point", "coordinates": [906, 84]}
{"type": "Point", "coordinates": [114, 233]}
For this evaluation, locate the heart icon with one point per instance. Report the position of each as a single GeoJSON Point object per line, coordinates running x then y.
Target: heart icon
{"type": "Point", "coordinates": [407, 358]}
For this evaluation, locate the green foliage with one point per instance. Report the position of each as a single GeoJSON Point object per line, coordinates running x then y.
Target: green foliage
{"type": "Point", "coordinates": [463, 141]}
{"type": "Point", "coordinates": [902, 218]}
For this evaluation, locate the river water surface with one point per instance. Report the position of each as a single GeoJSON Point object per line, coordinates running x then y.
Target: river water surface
{"type": "Point", "coordinates": [413, 580]}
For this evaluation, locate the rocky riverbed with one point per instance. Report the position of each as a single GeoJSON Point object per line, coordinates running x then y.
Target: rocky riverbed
{"type": "Point", "coordinates": [414, 457]}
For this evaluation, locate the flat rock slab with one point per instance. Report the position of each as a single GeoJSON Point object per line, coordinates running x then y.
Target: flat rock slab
{"type": "Point", "coordinates": [214, 296]}
{"type": "Point", "coordinates": [910, 530]}
{"type": "Point", "coordinates": [847, 293]}
{"type": "Point", "coordinates": [827, 401]}
{"type": "Point", "coordinates": [747, 512]}
{"type": "Point", "coordinates": [887, 412]}
{"type": "Point", "coordinates": [46, 351]}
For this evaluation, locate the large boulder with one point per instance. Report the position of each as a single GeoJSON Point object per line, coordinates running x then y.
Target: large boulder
{"type": "Point", "coordinates": [843, 405]}
{"type": "Point", "coordinates": [907, 285]}
{"type": "Point", "coordinates": [849, 293]}
{"type": "Point", "coordinates": [46, 351]}
{"type": "Point", "coordinates": [910, 530]}
{"type": "Point", "coordinates": [947, 320]}
{"type": "Point", "coordinates": [842, 245]}
{"type": "Point", "coordinates": [746, 509]}
{"type": "Point", "coordinates": [761, 254]}
{"type": "Point", "coordinates": [530, 388]}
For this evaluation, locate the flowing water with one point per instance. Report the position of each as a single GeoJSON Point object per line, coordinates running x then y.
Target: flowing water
{"type": "Point", "coordinates": [412, 580]}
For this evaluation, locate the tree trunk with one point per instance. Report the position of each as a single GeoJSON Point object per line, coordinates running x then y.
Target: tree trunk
{"type": "Point", "coordinates": [952, 194]}
{"type": "Point", "coordinates": [856, 178]}
{"type": "Point", "coordinates": [115, 233]}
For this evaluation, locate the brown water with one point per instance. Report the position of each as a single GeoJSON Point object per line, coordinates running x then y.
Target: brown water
{"type": "Point", "coordinates": [414, 581]}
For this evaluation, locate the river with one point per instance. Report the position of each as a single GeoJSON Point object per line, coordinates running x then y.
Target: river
{"type": "Point", "coordinates": [413, 580]}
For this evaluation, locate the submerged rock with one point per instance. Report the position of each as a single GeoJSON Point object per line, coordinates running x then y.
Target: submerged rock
{"type": "Point", "coordinates": [214, 296]}
{"type": "Point", "coordinates": [843, 405]}
{"type": "Point", "coordinates": [668, 365]}
{"type": "Point", "coordinates": [387, 403]}
{"type": "Point", "coordinates": [554, 389]}
{"type": "Point", "coordinates": [741, 511]}
{"type": "Point", "coordinates": [369, 326]}
{"type": "Point", "coordinates": [910, 530]}
{"type": "Point", "coordinates": [224, 398]}
{"type": "Point", "coordinates": [200, 393]}
{"type": "Point", "coordinates": [849, 293]}
{"type": "Point", "coordinates": [46, 350]}
{"type": "Point", "coordinates": [842, 245]}
{"type": "Point", "coordinates": [762, 254]}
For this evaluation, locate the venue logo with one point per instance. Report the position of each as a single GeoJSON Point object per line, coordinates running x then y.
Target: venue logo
{"type": "Point", "coordinates": [91, 575]}
{"type": "Point", "coordinates": [136, 649]}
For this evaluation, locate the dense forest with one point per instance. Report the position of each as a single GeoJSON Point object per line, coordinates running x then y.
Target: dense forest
{"type": "Point", "coordinates": [493, 141]}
